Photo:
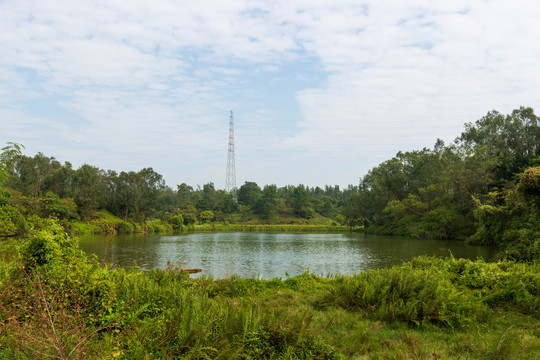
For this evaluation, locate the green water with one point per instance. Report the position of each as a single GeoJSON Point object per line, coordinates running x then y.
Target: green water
{"type": "Point", "coordinates": [270, 255]}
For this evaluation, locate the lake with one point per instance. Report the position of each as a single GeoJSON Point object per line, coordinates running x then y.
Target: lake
{"type": "Point", "coordinates": [270, 255]}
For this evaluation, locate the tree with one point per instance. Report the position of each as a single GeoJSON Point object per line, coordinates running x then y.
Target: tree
{"type": "Point", "coordinates": [128, 194]}
{"type": "Point", "coordinates": [326, 206]}
{"type": "Point", "coordinates": [32, 174]}
{"type": "Point", "coordinates": [265, 205]}
{"type": "Point", "coordinates": [353, 211]}
{"type": "Point", "coordinates": [299, 201]}
{"type": "Point", "coordinates": [151, 185]}
{"type": "Point", "coordinates": [184, 194]}
{"type": "Point", "coordinates": [88, 189]}
{"type": "Point", "coordinates": [209, 194]}
{"type": "Point", "coordinates": [512, 139]}
{"type": "Point", "coordinates": [249, 193]}
{"type": "Point", "coordinates": [202, 205]}
{"type": "Point", "coordinates": [10, 153]}
{"type": "Point", "coordinates": [60, 181]}
{"type": "Point", "coordinates": [225, 203]}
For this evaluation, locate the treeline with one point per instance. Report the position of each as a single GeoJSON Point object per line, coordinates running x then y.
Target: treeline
{"type": "Point", "coordinates": [42, 186]}
{"type": "Point", "coordinates": [483, 187]}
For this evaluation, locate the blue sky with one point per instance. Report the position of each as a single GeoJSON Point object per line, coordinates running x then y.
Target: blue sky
{"type": "Point", "coordinates": [322, 91]}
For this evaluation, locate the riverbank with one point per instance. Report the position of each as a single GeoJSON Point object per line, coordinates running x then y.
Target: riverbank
{"type": "Point", "coordinates": [271, 228]}
{"type": "Point", "coordinates": [428, 308]}
{"type": "Point", "coordinates": [106, 223]}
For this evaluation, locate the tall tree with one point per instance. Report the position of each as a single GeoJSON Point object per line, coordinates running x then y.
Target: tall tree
{"type": "Point", "coordinates": [88, 189]}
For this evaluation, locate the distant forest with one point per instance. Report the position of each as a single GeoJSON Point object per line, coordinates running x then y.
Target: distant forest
{"type": "Point", "coordinates": [483, 187]}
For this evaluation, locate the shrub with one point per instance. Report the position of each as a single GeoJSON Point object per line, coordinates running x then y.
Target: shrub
{"type": "Point", "coordinates": [125, 227]}
{"type": "Point", "coordinates": [156, 225]}
{"type": "Point", "coordinates": [81, 228]}
{"type": "Point", "coordinates": [412, 295]}
{"type": "Point", "coordinates": [177, 221]}
{"type": "Point", "coordinates": [107, 222]}
{"type": "Point", "coordinates": [46, 245]}
{"type": "Point", "coordinates": [10, 222]}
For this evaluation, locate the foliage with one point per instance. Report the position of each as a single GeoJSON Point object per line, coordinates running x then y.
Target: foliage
{"type": "Point", "coordinates": [479, 188]}
{"type": "Point", "coordinates": [158, 226]}
{"type": "Point", "coordinates": [8, 157]}
{"type": "Point", "coordinates": [82, 228]}
{"type": "Point", "coordinates": [125, 227]}
{"type": "Point", "coordinates": [59, 208]}
{"type": "Point", "coordinates": [283, 228]}
{"type": "Point", "coordinates": [249, 193]}
{"type": "Point", "coordinates": [107, 222]}
{"type": "Point", "coordinates": [69, 307]}
{"type": "Point", "coordinates": [412, 295]}
{"type": "Point", "coordinates": [11, 221]}
{"type": "Point", "coordinates": [206, 216]}
{"type": "Point", "coordinates": [177, 222]}
{"type": "Point", "coordinates": [189, 219]}
{"type": "Point", "coordinates": [46, 245]}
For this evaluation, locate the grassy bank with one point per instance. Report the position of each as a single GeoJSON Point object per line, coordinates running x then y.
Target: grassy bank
{"type": "Point", "coordinates": [271, 228]}
{"type": "Point", "coordinates": [106, 223]}
{"type": "Point", "coordinates": [428, 308]}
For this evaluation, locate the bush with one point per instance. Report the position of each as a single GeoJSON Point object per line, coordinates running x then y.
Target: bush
{"type": "Point", "coordinates": [156, 225]}
{"type": "Point", "coordinates": [58, 299]}
{"type": "Point", "coordinates": [413, 295]}
{"type": "Point", "coordinates": [81, 228]}
{"type": "Point", "coordinates": [125, 228]}
{"type": "Point", "coordinates": [189, 219]}
{"type": "Point", "coordinates": [107, 222]}
{"type": "Point", "coordinates": [46, 245]}
{"type": "Point", "coordinates": [502, 283]}
{"type": "Point", "coordinates": [11, 221]}
{"type": "Point", "coordinates": [177, 222]}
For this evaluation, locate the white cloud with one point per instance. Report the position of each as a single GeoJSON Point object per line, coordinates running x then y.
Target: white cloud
{"type": "Point", "coordinates": [140, 83]}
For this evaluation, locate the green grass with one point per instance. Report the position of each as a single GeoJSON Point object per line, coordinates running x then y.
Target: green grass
{"type": "Point", "coordinates": [56, 303]}
{"type": "Point", "coordinates": [271, 228]}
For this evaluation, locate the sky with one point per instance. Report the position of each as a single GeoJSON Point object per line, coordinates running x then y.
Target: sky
{"type": "Point", "coordinates": [321, 91]}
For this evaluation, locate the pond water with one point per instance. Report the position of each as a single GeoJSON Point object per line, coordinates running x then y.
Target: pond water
{"type": "Point", "coordinates": [270, 255]}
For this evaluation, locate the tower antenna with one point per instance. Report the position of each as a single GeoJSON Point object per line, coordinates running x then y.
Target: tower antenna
{"type": "Point", "coordinates": [230, 182]}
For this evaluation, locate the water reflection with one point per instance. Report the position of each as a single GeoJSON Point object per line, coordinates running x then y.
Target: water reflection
{"type": "Point", "coordinates": [270, 255]}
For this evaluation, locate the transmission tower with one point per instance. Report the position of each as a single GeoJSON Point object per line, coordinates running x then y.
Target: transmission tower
{"type": "Point", "coordinates": [230, 183]}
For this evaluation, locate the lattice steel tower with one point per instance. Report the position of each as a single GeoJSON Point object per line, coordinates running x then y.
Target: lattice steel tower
{"type": "Point", "coordinates": [230, 182]}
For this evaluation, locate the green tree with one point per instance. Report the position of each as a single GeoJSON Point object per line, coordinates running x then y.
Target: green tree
{"type": "Point", "coordinates": [352, 211]}
{"type": "Point", "coordinates": [151, 184]}
{"type": "Point", "coordinates": [32, 175]}
{"type": "Point", "coordinates": [88, 189]}
{"type": "Point", "coordinates": [189, 219]}
{"type": "Point", "coordinates": [225, 202]}
{"type": "Point", "coordinates": [513, 139]}
{"type": "Point", "coordinates": [249, 193]}
{"type": "Point", "coordinates": [184, 193]}
{"type": "Point", "coordinates": [266, 204]}
{"type": "Point", "coordinates": [11, 220]}
{"type": "Point", "coordinates": [60, 181]}
{"type": "Point", "coordinates": [128, 194]}
{"type": "Point", "coordinates": [299, 201]}
{"type": "Point", "coordinates": [8, 158]}
{"type": "Point", "coordinates": [209, 194]}
{"type": "Point", "coordinates": [202, 205]}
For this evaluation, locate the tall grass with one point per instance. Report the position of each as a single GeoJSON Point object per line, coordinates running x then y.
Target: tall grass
{"type": "Point", "coordinates": [57, 303]}
{"type": "Point", "coordinates": [411, 295]}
